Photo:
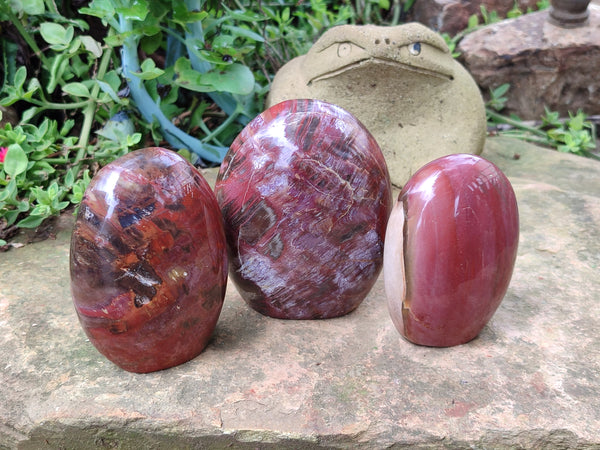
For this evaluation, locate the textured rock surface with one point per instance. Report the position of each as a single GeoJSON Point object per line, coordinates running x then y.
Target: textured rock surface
{"type": "Point", "coordinates": [452, 16]}
{"type": "Point", "coordinates": [400, 82]}
{"type": "Point", "coordinates": [546, 65]}
{"type": "Point", "coordinates": [305, 195]}
{"type": "Point", "coordinates": [530, 380]}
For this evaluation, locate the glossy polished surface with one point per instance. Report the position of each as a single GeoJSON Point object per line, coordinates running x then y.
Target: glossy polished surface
{"type": "Point", "coordinates": [305, 196]}
{"type": "Point", "coordinates": [148, 261]}
{"type": "Point", "coordinates": [451, 246]}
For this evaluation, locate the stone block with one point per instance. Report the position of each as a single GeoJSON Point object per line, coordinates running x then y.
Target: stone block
{"type": "Point", "coordinates": [452, 16]}
{"type": "Point", "coordinates": [545, 65]}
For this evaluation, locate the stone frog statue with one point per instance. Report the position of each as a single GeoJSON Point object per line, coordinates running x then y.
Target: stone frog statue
{"type": "Point", "coordinates": [401, 82]}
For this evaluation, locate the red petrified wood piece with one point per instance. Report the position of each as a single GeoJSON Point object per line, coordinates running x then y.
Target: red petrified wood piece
{"type": "Point", "coordinates": [451, 245]}
{"type": "Point", "coordinates": [305, 196]}
{"type": "Point", "coordinates": [148, 261]}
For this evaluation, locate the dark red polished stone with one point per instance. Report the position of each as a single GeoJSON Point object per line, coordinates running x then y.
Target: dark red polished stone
{"type": "Point", "coordinates": [451, 246]}
{"type": "Point", "coordinates": [305, 196]}
{"type": "Point", "coordinates": [148, 261]}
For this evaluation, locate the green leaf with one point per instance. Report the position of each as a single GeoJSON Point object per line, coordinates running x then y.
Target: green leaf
{"type": "Point", "coordinates": [9, 192]}
{"type": "Point", "coordinates": [104, 9]}
{"type": "Point", "coordinates": [69, 178]}
{"type": "Point", "coordinates": [151, 44]}
{"type": "Point", "coordinates": [473, 22]}
{"type": "Point", "coordinates": [33, 7]}
{"type": "Point", "coordinates": [23, 206]}
{"type": "Point", "coordinates": [149, 70]}
{"type": "Point", "coordinates": [235, 78]}
{"type": "Point", "coordinates": [56, 34]}
{"type": "Point", "coordinates": [67, 125]}
{"type": "Point", "coordinates": [59, 65]}
{"type": "Point", "coordinates": [244, 32]}
{"type": "Point", "coordinates": [248, 16]}
{"type": "Point", "coordinates": [20, 77]}
{"type": "Point", "coordinates": [137, 10]}
{"type": "Point", "coordinates": [61, 205]}
{"type": "Point", "coordinates": [77, 89]}
{"type": "Point", "coordinates": [116, 40]}
{"type": "Point", "coordinates": [53, 191]}
{"type": "Point", "coordinates": [91, 45]}
{"type": "Point", "coordinates": [29, 113]}
{"type": "Point", "coordinates": [576, 122]}
{"type": "Point", "coordinates": [501, 90]}
{"type": "Point", "coordinates": [15, 161]}
{"type": "Point", "coordinates": [32, 87]}
{"type": "Point", "coordinates": [11, 216]}
{"type": "Point", "coordinates": [12, 96]}
{"type": "Point", "coordinates": [107, 88]}
{"type": "Point", "coordinates": [31, 221]}
{"type": "Point", "coordinates": [183, 16]}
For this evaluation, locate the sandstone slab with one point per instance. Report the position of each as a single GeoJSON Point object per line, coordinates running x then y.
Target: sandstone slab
{"type": "Point", "coordinates": [530, 380]}
{"type": "Point", "coordinates": [546, 65]}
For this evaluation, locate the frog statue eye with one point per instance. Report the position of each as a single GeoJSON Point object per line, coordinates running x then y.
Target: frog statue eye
{"type": "Point", "coordinates": [414, 48]}
{"type": "Point", "coordinates": [344, 49]}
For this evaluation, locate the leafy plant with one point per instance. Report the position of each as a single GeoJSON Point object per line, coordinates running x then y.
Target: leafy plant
{"type": "Point", "coordinates": [191, 72]}
{"type": "Point", "coordinates": [180, 29]}
{"type": "Point", "coordinates": [61, 95]}
{"type": "Point", "coordinates": [498, 99]}
{"type": "Point", "coordinates": [37, 173]}
{"type": "Point", "coordinates": [79, 82]}
{"type": "Point", "coordinates": [66, 65]}
{"type": "Point", "coordinates": [574, 135]}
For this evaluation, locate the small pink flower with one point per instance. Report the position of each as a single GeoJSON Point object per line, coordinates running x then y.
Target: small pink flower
{"type": "Point", "coordinates": [3, 151]}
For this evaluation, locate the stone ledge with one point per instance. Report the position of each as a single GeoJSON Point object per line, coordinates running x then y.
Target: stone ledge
{"type": "Point", "coordinates": [530, 380]}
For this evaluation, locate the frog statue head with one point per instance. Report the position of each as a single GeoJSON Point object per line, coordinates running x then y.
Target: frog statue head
{"type": "Point", "coordinates": [401, 82]}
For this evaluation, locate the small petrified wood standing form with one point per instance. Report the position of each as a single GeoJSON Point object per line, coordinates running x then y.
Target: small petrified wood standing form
{"type": "Point", "coordinates": [450, 250]}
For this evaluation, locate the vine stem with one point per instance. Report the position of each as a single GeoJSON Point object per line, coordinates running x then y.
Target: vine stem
{"type": "Point", "coordinates": [90, 110]}
{"type": "Point", "coordinates": [61, 106]}
{"type": "Point", "coordinates": [515, 123]}
{"type": "Point", "coordinates": [149, 109]}
{"type": "Point", "coordinates": [28, 38]}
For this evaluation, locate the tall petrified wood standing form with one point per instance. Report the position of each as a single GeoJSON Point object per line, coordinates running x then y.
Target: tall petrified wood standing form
{"type": "Point", "coordinates": [306, 196]}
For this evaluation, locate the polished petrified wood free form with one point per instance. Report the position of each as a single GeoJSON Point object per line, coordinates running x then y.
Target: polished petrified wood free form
{"type": "Point", "coordinates": [451, 246]}
{"type": "Point", "coordinates": [305, 196]}
{"type": "Point", "coordinates": [148, 261]}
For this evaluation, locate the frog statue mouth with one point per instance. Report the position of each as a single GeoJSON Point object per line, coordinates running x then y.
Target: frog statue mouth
{"type": "Point", "coordinates": [410, 48]}
{"type": "Point", "coordinates": [392, 64]}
